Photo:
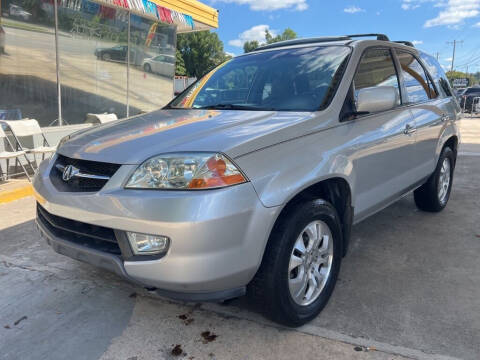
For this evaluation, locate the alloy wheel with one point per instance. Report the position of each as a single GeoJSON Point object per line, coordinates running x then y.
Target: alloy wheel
{"type": "Point", "coordinates": [310, 263]}
{"type": "Point", "coordinates": [444, 181]}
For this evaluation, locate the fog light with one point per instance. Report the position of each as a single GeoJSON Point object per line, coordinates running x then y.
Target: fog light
{"type": "Point", "coordinates": [144, 244]}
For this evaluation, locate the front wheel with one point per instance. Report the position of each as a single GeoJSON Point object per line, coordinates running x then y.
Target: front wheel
{"type": "Point", "coordinates": [147, 68]}
{"type": "Point", "coordinates": [300, 265]}
{"type": "Point", "coordinates": [434, 194]}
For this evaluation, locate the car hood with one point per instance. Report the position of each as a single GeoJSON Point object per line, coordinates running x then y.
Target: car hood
{"type": "Point", "coordinates": [232, 132]}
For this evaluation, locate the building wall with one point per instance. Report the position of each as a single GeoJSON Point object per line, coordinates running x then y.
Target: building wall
{"type": "Point", "coordinates": [94, 73]}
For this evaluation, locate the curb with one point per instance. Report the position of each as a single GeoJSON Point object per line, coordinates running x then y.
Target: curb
{"type": "Point", "coordinates": [19, 193]}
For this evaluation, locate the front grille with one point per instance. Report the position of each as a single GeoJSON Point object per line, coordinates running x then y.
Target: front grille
{"type": "Point", "coordinates": [91, 236]}
{"type": "Point", "coordinates": [81, 184]}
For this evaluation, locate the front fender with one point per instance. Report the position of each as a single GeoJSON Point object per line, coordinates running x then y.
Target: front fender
{"type": "Point", "coordinates": [304, 162]}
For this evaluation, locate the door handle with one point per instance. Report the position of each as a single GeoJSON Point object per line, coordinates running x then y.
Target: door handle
{"type": "Point", "coordinates": [445, 117]}
{"type": "Point", "coordinates": [409, 129]}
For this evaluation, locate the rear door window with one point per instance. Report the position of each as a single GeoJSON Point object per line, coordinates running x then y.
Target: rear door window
{"type": "Point", "coordinates": [376, 68]}
{"type": "Point", "coordinates": [419, 87]}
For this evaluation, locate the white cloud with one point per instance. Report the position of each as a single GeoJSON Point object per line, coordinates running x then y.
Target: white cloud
{"type": "Point", "coordinates": [353, 9]}
{"type": "Point", "coordinates": [270, 5]}
{"type": "Point", "coordinates": [230, 53]}
{"type": "Point", "coordinates": [477, 25]}
{"type": "Point", "coordinates": [409, 6]}
{"type": "Point", "coordinates": [417, 42]}
{"type": "Point", "coordinates": [448, 59]}
{"type": "Point", "coordinates": [254, 33]}
{"type": "Point", "coordinates": [414, 4]}
{"type": "Point", "coordinates": [455, 12]}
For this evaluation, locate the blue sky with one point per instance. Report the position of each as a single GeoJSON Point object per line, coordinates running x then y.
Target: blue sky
{"type": "Point", "coordinates": [430, 23]}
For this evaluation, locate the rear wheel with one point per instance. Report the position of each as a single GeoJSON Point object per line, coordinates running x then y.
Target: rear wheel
{"type": "Point", "coordinates": [300, 265]}
{"type": "Point", "coordinates": [106, 57]}
{"type": "Point", "coordinates": [434, 194]}
{"type": "Point", "coordinates": [147, 68]}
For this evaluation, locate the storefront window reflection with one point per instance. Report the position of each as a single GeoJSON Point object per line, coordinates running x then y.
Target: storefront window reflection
{"type": "Point", "coordinates": [93, 53]}
{"type": "Point", "coordinates": [95, 76]}
{"type": "Point", "coordinates": [28, 86]}
{"type": "Point", "coordinates": [153, 64]}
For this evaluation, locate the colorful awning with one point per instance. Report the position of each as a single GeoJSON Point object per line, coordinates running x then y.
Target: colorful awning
{"type": "Point", "coordinates": [188, 15]}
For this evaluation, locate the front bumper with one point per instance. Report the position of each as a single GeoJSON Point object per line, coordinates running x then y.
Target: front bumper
{"type": "Point", "coordinates": [217, 236]}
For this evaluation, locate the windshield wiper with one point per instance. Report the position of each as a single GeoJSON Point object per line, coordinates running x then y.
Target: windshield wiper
{"type": "Point", "coordinates": [234, 107]}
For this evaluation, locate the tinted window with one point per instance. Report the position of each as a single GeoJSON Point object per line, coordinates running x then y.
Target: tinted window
{"type": "Point", "coordinates": [470, 91]}
{"type": "Point", "coordinates": [415, 79]}
{"type": "Point", "coordinates": [376, 68]}
{"type": "Point", "coordinates": [287, 79]}
{"type": "Point", "coordinates": [435, 70]}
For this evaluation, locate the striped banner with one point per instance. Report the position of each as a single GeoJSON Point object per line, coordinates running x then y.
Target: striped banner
{"type": "Point", "coordinates": [151, 9]}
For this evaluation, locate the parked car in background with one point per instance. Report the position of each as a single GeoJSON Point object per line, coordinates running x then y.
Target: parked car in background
{"type": "Point", "coordinates": [466, 99]}
{"type": "Point", "coordinates": [160, 64]}
{"type": "Point", "coordinates": [251, 179]}
{"type": "Point", "coordinates": [116, 53]}
{"type": "Point", "coordinates": [458, 92]}
{"type": "Point", "coordinates": [18, 12]}
{"type": "Point", "coordinates": [2, 40]}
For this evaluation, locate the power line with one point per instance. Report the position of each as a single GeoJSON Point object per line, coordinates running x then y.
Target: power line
{"type": "Point", "coordinates": [470, 62]}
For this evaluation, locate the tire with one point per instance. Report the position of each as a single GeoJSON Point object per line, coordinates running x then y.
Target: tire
{"type": "Point", "coordinates": [147, 68]}
{"type": "Point", "coordinates": [270, 290]}
{"type": "Point", "coordinates": [106, 57]}
{"type": "Point", "coordinates": [429, 197]}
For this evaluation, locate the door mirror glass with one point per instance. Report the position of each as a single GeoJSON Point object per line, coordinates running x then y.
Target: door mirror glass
{"type": "Point", "coordinates": [376, 99]}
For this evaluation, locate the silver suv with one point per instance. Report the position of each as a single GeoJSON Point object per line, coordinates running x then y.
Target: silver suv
{"type": "Point", "coordinates": [250, 180]}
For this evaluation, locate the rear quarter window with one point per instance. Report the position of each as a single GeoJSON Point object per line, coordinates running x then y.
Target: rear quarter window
{"type": "Point", "coordinates": [437, 73]}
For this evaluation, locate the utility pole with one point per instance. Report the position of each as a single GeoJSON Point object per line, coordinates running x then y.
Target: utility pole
{"type": "Point", "coordinates": [437, 54]}
{"type": "Point", "coordinates": [454, 43]}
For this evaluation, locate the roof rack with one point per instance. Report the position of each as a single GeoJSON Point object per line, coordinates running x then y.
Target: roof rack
{"type": "Point", "coordinates": [382, 37]}
{"type": "Point", "coordinates": [323, 39]}
{"type": "Point", "coordinates": [303, 41]}
{"type": "Point", "coordinates": [408, 43]}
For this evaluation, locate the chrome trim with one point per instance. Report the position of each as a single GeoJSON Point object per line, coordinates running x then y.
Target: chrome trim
{"type": "Point", "coordinates": [83, 175]}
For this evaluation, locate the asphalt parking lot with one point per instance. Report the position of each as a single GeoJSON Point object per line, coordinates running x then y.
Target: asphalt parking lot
{"type": "Point", "coordinates": [409, 288]}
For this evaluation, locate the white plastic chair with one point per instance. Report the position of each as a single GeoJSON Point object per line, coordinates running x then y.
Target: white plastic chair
{"type": "Point", "coordinates": [29, 127]}
{"type": "Point", "coordinates": [8, 155]}
{"type": "Point", "coordinates": [100, 118]}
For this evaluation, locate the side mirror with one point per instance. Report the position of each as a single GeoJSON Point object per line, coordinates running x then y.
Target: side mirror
{"type": "Point", "coordinates": [378, 98]}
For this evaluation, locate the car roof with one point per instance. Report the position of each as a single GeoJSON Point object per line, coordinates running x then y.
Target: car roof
{"type": "Point", "coordinates": [350, 40]}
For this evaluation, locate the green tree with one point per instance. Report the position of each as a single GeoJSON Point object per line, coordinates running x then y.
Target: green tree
{"type": "Point", "coordinates": [249, 46]}
{"type": "Point", "coordinates": [287, 34]}
{"type": "Point", "coordinates": [180, 69]}
{"type": "Point", "coordinates": [451, 75]}
{"type": "Point", "coordinates": [201, 51]}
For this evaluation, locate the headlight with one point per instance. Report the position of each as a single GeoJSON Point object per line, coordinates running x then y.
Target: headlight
{"type": "Point", "coordinates": [186, 171]}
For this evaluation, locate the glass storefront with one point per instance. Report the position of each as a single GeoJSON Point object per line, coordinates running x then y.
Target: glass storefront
{"type": "Point", "coordinates": [110, 61]}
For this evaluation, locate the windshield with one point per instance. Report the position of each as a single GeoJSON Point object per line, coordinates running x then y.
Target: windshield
{"type": "Point", "coordinates": [285, 80]}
